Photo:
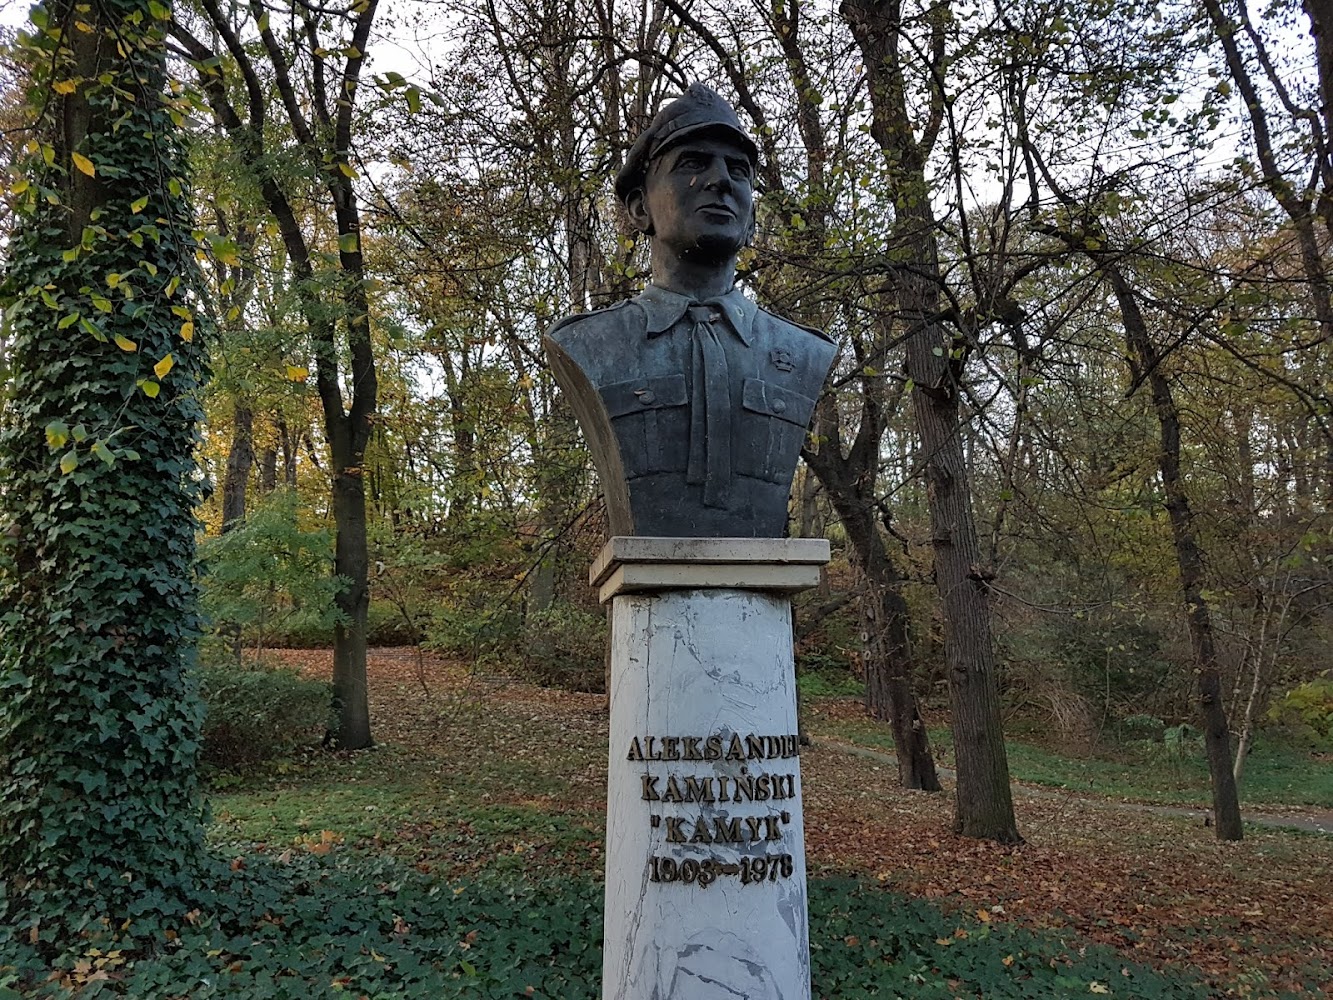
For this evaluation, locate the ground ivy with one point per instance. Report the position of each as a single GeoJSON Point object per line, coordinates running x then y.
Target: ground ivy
{"type": "Point", "coordinates": [359, 928]}
{"type": "Point", "coordinates": [100, 821]}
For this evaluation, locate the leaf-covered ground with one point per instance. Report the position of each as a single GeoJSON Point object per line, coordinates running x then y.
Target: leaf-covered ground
{"type": "Point", "coordinates": [480, 774]}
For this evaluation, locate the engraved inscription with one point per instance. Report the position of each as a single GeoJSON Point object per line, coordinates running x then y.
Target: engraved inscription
{"type": "Point", "coordinates": [714, 825]}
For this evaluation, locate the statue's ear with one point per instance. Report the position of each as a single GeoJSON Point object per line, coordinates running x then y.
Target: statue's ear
{"type": "Point", "coordinates": [636, 206]}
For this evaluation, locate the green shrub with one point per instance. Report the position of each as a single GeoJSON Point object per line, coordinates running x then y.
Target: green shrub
{"type": "Point", "coordinates": [475, 632]}
{"type": "Point", "coordinates": [268, 578]}
{"type": "Point", "coordinates": [565, 646]}
{"type": "Point", "coordinates": [1307, 709]}
{"type": "Point", "coordinates": [256, 713]}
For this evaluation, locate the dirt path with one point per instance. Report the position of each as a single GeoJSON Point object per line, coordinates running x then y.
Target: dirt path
{"type": "Point", "coordinates": [1313, 821]}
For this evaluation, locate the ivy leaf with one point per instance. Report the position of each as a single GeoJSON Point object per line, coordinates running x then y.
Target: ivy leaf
{"type": "Point", "coordinates": [57, 433]}
{"type": "Point", "coordinates": [163, 367]}
{"type": "Point", "coordinates": [104, 453]}
{"type": "Point", "coordinates": [124, 343]}
{"type": "Point", "coordinates": [84, 164]}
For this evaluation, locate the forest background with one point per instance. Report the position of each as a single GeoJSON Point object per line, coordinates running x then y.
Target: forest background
{"type": "Point", "coordinates": [1075, 457]}
{"type": "Point", "coordinates": [1075, 256]}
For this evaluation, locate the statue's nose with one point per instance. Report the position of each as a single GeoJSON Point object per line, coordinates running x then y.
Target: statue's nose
{"type": "Point", "coordinates": [717, 175]}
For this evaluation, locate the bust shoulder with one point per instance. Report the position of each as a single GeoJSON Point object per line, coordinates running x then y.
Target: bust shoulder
{"type": "Point", "coordinates": [789, 327]}
{"type": "Point", "coordinates": [603, 322]}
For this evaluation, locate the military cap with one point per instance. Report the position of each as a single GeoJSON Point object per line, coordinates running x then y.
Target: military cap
{"type": "Point", "coordinates": [699, 109]}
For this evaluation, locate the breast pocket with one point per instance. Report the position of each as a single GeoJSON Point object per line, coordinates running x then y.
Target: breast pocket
{"type": "Point", "coordinates": [776, 419]}
{"type": "Point", "coordinates": [650, 419]}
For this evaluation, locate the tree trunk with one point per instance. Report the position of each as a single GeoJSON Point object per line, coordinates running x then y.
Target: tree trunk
{"type": "Point", "coordinates": [268, 470]}
{"type": "Point", "coordinates": [983, 801]}
{"type": "Point", "coordinates": [289, 453]}
{"type": "Point", "coordinates": [346, 427]}
{"type": "Point", "coordinates": [889, 695]}
{"type": "Point", "coordinates": [240, 456]}
{"type": "Point", "coordinates": [1146, 363]}
{"type": "Point", "coordinates": [350, 690]}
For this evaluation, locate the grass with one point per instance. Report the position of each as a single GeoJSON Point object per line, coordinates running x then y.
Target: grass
{"type": "Point", "coordinates": [1277, 774]}
{"type": "Point", "coordinates": [829, 684]}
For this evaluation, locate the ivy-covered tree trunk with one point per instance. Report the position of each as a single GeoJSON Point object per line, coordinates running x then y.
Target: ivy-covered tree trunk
{"type": "Point", "coordinates": [99, 716]}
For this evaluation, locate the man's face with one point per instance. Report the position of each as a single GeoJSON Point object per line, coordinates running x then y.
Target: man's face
{"type": "Point", "coordinates": [698, 199]}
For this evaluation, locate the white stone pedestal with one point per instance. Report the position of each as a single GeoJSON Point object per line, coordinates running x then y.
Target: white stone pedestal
{"type": "Point", "coordinates": [705, 845]}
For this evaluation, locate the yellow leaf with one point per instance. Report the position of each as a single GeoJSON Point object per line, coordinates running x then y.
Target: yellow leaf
{"type": "Point", "coordinates": [150, 388]}
{"type": "Point", "coordinates": [124, 343]}
{"type": "Point", "coordinates": [1098, 988]}
{"type": "Point", "coordinates": [84, 164]}
{"type": "Point", "coordinates": [67, 465]}
{"type": "Point", "coordinates": [347, 170]}
{"type": "Point", "coordinates": [64, 86]}
{"type": "Point", "coordinates": [19, 186]}
{"type": "Point", "coordinates": [187, 331]}
{"type": "Point", "coordinates": [164, 366]}
{"type": "Point", "coordinates": [295, 374]}
{"type": "Point", "coordinates": [984, 916]}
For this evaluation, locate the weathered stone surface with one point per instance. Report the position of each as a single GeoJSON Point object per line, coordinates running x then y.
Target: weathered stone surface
{"type": "Point", "coordinates": [640, 549]}
{"type": "Point", "coordinates": [634, 564]}
{"type": "Point", "coordinates": [704, 787]}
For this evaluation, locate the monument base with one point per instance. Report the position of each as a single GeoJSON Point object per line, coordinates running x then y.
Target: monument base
{"type": "Point", "coordinates": [705, 844]}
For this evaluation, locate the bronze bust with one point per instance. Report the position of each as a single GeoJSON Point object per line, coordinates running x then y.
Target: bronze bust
{"type": "Point", "coordinates": [694, 400]}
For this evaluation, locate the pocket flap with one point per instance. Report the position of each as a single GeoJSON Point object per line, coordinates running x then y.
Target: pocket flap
{"type": "Point", "coordinates": [643, 394]}
{"type": "Point", "coordinates": [775, 401]}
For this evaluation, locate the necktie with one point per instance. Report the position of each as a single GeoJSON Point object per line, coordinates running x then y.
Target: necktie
{"type": "Point", "coordinates": [710, 408]}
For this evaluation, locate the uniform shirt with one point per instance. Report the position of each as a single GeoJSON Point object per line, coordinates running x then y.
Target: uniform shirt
{"type": "Point", "coordinates": [695, 412]}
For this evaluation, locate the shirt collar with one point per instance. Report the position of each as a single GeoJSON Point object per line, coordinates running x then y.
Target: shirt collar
{"type": "Point", "coordinates": [664, 308]}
